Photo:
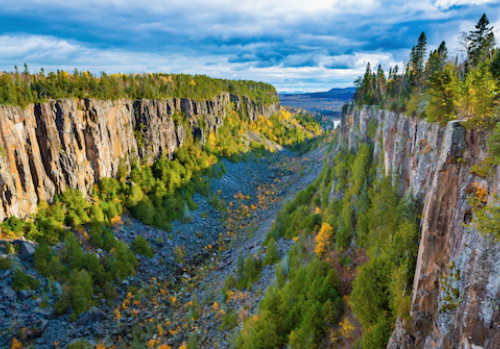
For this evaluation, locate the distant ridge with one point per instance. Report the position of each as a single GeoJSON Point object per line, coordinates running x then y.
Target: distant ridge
{"type": "Point", "coordinates": [335, 93]}
{"type": "Point", "coordinates": [330, 101]}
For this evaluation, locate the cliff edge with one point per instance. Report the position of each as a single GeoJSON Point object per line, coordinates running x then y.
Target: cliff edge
{"type": "Point", "coordinates": [456, 290]}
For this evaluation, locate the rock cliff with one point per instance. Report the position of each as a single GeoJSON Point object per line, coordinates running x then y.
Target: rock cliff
{"type": "Point", "coordinates": [456, 290]}
{"type": "Point", "coordinates": [74, 142]}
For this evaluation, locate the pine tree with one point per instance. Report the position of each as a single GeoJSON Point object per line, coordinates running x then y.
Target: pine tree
{"type": "Point", "coordinates": [482, 41]}
{"type": "Point", "coordinates": [240, 266]}
{"type": "Point", "coordinates": [417, 61]}
{"type": "Point", "coordinates": [41, 258]}
{"type": "Point", "coordinates": [272, 255]}
{"type": "Point", "coordinates": [442, 96]}
{"type": "Point", "coordinates": [495, 65]}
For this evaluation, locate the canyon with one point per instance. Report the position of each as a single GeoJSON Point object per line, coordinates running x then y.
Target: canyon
{"type": "Point", "coordinates": [73, 143]}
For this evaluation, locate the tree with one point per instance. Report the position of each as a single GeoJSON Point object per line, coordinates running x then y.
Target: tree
{"type": "Point", "coordinates": [482, 41]}
{"type": "Point", "coordinates": [41, 258]}
{"type": "Point", "coordinates": [272, 255]}
{"type": "Point", "coordinates": [442, 96]}
{"type": "Point", "coordinates": [72, 253]}
{"type": "Point", "coordinates": [141, 246]}
{"type": "Point", "coordinates": [323, 239]}
{"type": "Point", "coordinates": [240, 266]}
{"type": "Point", "coordinates": [417, 61]}
{"type": "Point", "coordinates": [495, 65]}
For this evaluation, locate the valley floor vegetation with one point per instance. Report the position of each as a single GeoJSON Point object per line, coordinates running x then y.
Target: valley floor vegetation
{"type": "Point", "coordinates": [356, 243]}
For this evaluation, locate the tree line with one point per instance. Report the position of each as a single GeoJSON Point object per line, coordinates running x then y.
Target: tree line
{"type": "Point", "coordinates": [439, 87]}
{"type": "Point", "coordinates": [22, 88]}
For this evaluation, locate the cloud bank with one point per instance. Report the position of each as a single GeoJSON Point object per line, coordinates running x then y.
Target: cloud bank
{"type": "Point", "coordinates": [295, 45]}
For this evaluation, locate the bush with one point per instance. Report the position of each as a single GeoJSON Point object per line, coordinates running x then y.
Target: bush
{"type": "Point", "coordinates": [5, 263]}
{"type": "Point", "coordinates": [50, 230]}
{"type": "Point", "coordinates": [145, 212]}
{"type": "Point", "coordinates": [42, 257]}
{"type": "Point", "coordinates": [109, 291]}
{"type": "Point", "coordinates": [13, 225]}
{"type": "Point", "coordinates": [21, 281]}
{"type": "Point", "coordinates": [272, 255]}
{"type": "Point", "coordinates": [229, 283]}
{"type": "Point", "coordinates": [251, 272]}
{"type": "Point", "coordinates": [141, 246]}
{"type": "Point", "coordinates": [121, 263]}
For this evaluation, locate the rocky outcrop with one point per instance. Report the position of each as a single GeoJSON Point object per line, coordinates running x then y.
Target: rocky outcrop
{"type": "Point", "coordinates": [251, 109]}
{"type": "Point", "coordinates": [75, 142]}
{"type": "Point", "coordinates": [456, 290]}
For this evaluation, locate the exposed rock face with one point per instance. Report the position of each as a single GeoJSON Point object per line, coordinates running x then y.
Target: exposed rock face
{"type": "Point", "coordinates": [456, 290]}
{"type": "Point", "coordinates": [75, 142]}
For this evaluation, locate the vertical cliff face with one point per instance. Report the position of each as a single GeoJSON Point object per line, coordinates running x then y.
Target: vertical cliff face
{"type": "Point", "coordinates": [74, 142]}
{"type": "Point", "coordinates": [456, 290]}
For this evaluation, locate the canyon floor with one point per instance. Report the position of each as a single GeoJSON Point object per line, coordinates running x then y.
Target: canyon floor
{"type": "Point", "coordinates": [175, 297]}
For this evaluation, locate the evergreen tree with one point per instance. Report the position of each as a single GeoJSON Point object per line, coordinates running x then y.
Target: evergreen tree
{"type": "Point", "coordinates": [417, 61]}
{"type": "Point", "coordinates": [495, 65]}
{"type": "Point", "coordinates": [272, 255]}
{"type": "Point", "coordinates": [41, 258]}
{"type": "Point", "coordinates": [240, 267]}
{"type": "Point", "coordinates": [482, 41]}
{"type": "Point", "coordinates": [442, 96]}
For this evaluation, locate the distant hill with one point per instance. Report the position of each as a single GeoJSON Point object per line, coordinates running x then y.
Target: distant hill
{"type": "Point", "coordinates": [329, 102]}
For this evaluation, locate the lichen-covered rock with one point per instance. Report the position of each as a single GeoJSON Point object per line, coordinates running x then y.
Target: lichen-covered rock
{"type": "Point", "coordinates": [456, 289]}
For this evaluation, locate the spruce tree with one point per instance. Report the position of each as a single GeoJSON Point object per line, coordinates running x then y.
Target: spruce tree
{"type": "Point", "coordinates": [495, 65]}
{"type": "Point", "coordinates": [240, 266]}
{"type": "Point", "coordinates": [482, 41]}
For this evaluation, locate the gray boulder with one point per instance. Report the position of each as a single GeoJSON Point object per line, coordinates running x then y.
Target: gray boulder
{"type": "Point", "coordinates": [47, 313]}
{"type": "Point", "coordinates": [26, 250]}
{"type": "Point", "coordinates": [93, 315]}
{"type": "Point", "coordinates": [24, 294]}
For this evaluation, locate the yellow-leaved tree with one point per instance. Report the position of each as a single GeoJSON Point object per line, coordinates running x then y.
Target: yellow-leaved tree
{"type": "Point", "coordinates": [323, 239]}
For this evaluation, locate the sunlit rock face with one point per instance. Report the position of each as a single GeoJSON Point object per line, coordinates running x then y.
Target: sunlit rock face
{"type": "Point", "coordinates": [74, 142]}
{"type": "Point", "coordinates": [456, 290]}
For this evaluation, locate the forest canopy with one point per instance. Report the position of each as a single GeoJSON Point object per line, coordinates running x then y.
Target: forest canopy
{"type": "Point", "coordinates": [23, 88]}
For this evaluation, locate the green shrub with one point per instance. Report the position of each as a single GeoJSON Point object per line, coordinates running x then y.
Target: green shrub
{"type": "Point", "coordinates": [71, 253]}
{"type": "Point", "coordinates": [109, 291]}
{"type": "Point", "coordinates": [42, 257]}
{"type": "Point", "coordinates": [229, 321]}
{"type": "Point", "coordinates": [77, 294]}
{"type": "Point", "coordinates": [145, 212]}
{"type": "Point", "coordinates": [272, 255]}
{"type": "Point", "coordinates": [251, 272]}
{"type": "Point", "coordinates": [21, 281]}
{"type": "Point", "coordinates": [191, 204]}
{"type": "Point", "coordinates": [229, 283]}
{"type": "Point", "coordinates": [141, 246]}
{"type": "Point", "coordinates": [50, 230]}
{"type": "Point", "coordinates": [121, 263]}
{"type": "Point", "coordinates": [5, 263]}
{"type": "Point", "coordinates": [13, 225]}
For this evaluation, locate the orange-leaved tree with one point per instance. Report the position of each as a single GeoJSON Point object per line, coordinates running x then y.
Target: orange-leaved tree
{"type": "Point", "coordinates": [323, 239]}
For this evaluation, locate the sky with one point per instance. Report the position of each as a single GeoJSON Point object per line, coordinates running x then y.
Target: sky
{"type": "Point", "coordinates": [305, 46]}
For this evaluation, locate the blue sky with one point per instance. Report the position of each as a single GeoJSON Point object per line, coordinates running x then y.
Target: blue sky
{"type": "Point", "coordinates": [311, 45]}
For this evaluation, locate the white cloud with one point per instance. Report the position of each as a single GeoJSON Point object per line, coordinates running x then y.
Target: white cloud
{"type": "Point", "coordinates": [293, 44]}
{"type": "Point", "coordinates": [445, 4]}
